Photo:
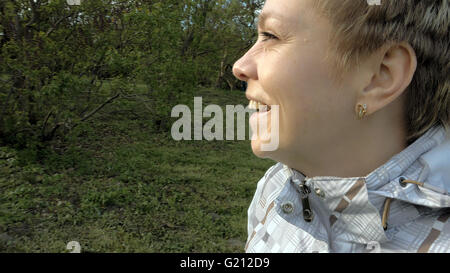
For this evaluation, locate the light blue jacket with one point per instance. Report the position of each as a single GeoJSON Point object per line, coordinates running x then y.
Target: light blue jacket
{"type": "Point", "coordinates": [402, 206]}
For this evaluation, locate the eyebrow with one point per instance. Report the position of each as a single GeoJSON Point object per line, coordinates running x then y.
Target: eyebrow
{"type": "Point", "coordinates": [264, 16]}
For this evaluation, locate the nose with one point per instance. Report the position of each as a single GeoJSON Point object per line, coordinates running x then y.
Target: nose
{"type": "Point", "coordinates": [245, 68]}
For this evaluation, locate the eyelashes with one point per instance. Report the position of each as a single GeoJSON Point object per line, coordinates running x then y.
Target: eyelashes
{"type": "Point", "coordinates": [268, 36]}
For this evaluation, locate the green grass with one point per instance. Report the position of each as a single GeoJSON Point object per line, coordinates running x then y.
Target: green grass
{"type": "Point", "coordinates": [117, 185]}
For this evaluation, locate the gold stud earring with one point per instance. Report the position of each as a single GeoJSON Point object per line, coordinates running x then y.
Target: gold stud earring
{"type": "Point", "coordinates": [362, 109]}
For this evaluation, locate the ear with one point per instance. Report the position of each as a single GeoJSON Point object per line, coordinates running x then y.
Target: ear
{"type": "Point", "coordinates": [392, 70]}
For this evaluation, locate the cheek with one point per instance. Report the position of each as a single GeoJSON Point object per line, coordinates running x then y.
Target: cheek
{"type": "Point", "coordinates": [309, 101]}
{"type": "Point", "coordinates": [298, 82]}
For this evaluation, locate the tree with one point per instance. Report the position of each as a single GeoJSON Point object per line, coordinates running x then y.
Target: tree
{"type": "Point", "coordinates": [56, 58]}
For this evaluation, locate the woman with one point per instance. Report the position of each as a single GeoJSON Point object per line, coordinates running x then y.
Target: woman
{"type": "Point", "coordinates": [364, 147]}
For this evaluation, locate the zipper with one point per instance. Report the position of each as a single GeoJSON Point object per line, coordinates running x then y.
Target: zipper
{"type": "Point", "coordinates": [304, 191]}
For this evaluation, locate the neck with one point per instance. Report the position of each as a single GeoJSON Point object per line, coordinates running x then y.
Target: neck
{"type": "Point", "coordinates": [359, 152]}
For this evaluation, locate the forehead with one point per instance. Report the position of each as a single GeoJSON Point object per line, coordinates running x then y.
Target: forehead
{"type": "Point", "coordinates": [287, 12]}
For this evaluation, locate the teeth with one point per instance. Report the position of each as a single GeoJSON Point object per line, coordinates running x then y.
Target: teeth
{"type": "Point", "coordinates": [253, 105]}
{"type": "Point", "coordinates": [258, 106]}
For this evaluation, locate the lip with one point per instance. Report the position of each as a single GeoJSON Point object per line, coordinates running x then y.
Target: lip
{"type": "Point", "coordinates": [250, 98]}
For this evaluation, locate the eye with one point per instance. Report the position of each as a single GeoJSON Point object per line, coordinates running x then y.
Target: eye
{"type": "Point", "coordinates": [268, 36]}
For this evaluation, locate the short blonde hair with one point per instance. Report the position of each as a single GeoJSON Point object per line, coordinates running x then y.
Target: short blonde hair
{"type": "Point", "coordinates": [360, 29]}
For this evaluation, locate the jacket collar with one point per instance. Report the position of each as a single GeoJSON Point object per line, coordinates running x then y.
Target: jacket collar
{"type": "Point", "coordinates": [428, 158]}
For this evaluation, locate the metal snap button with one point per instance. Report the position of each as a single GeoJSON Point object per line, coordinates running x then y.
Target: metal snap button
{"type": "Point", "coordinates": [319, 193]}
{"type": "Point", "coordinates": [288, 207]}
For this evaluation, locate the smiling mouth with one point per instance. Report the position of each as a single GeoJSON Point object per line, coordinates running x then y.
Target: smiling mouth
{"type": "Point", "coordinates": [259, 106]}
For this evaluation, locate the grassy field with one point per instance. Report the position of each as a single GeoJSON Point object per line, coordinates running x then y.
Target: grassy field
{"type": "Point", "coordinates": [116, 185]}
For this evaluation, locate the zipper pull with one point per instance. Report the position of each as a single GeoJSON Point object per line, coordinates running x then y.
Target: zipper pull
{"type": "Point", "coordinates": [304, 191]}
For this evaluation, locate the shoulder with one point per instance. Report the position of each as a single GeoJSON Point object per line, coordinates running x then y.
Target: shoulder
{"type": "Point", "coordinates": [271, 184]}
{"type": "Point", "coordinates": [266, 191]}
{"type": "Point", "coordinates": [437, 234]}
{"type": "Point", "coordinates": [273, 174]}
{"type": "Point", "coordinates": [276, 169]}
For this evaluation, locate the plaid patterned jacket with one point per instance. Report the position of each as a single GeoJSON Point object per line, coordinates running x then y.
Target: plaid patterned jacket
{"type": "Point", "coordinates": [293, 213]}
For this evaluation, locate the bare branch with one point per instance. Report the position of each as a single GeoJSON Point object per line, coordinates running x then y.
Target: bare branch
{"type": "Point", "coordinates": [45, 122]}
{"type": "Point", "coordinates": [50, 135]}
{"type": "Point", "coordinates": [34, 12]}
{"type": "Point", "coordinates": [56, 24]}
{"type": "Point", "coordinates": [100, 107]}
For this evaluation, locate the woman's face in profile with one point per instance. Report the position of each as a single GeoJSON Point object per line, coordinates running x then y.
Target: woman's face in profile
{"type": "Point", "coordinates": [287, 66]}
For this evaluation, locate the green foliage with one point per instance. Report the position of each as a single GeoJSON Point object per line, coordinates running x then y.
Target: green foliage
{"type": "Point", "coordinates": [56, 58]}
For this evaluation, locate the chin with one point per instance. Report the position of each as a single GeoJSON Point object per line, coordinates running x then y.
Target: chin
{"type": "Point", "coordinates": [257, 151]}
